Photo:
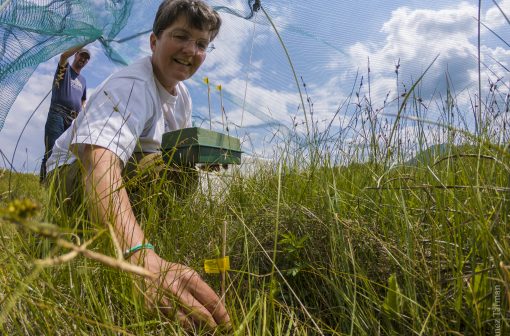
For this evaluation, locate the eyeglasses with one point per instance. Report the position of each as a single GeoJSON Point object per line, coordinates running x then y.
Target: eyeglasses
{"type": "Point", "coordinates": [183, 40]}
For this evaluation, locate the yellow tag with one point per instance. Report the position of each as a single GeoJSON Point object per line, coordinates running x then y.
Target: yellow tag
{"type": "Point", "coordinates": [217, 265]}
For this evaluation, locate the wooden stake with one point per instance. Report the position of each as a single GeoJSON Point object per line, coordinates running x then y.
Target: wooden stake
{"type": "Point", "coordinates": [223, 254]}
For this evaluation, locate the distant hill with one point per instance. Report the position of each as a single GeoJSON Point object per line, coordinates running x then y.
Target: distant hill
{"type": "Point", "coordinates": [431, 154]}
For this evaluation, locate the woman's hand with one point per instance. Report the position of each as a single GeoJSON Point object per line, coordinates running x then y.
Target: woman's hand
{"type": "Point", "coordinates": [177, 290]}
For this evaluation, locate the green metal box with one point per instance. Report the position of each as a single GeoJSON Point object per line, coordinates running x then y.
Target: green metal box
{"type": "Point", "coordinates": [189, 146]}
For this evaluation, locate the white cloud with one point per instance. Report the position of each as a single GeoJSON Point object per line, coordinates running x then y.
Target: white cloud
{"type": "Point", "coordinates": [413, 39]}
{"type": "Point", "coordinates": [494, 18]}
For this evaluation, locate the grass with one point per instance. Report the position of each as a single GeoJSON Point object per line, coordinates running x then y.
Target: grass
{"type": "Point", "coordinates": [418, 247]}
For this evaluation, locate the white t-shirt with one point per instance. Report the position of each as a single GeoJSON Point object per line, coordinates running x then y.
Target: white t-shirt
{"type": "Point", "coordinates": [128, 112]}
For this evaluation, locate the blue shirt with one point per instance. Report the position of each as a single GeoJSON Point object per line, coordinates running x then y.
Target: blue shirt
{"type": "Point", "coordinates": [69, 89]}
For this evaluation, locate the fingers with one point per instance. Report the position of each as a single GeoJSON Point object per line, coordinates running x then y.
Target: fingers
{"type": "Point", "coordinates": [200, 300]}
{"type": "Point", "coordinates": [155, 300]}
{"type": "Point", "coordinates": [213, 304]}
{"type": "Point", "coordinates": [208, 299]}
{"type": "Point", "coordinates": [184, 320]}
{"type": "Point", "coordinates": [196, 311]}
{"type": "Point", "coordinates": [170, 309]}
{"type": "Point", "coordinates": [181, 287]}
{"type": "Point", "coordinates": [189, 315]}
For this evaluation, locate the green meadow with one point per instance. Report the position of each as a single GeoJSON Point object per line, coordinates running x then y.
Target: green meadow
{"type": "Point", "coordinates": [386, 240]}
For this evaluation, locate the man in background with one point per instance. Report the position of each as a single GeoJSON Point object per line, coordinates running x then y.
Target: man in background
{"type": "Point", "coordinates": [68, 95]}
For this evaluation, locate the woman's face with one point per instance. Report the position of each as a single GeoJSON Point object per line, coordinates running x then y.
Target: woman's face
{"type": "Point", "coordinates": [178, 52]}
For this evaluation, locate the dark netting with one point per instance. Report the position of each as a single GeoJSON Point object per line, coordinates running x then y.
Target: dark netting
{"type": "Point", "coordinates": [34, 31]}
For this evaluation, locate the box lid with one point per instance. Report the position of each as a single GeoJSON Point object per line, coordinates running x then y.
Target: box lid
{"type": "Point", "coordinates": [193, 136]}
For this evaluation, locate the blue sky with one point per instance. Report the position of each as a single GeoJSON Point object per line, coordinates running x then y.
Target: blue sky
{"type": "Point", "coordinates": [329, 43]}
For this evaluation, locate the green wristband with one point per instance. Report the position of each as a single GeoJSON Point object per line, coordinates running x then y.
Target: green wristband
{"type": "Point", "coordinates": [129, 252]}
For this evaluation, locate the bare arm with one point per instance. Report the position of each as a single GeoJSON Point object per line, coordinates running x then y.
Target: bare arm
{"type": "Point", "coordinates": [68, 53]}
{"type": "Point", "coordinates": [109, 201]}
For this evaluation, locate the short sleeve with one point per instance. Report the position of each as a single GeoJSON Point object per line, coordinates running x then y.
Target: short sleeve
{"type": "Point", "coordinates": [115, 116]}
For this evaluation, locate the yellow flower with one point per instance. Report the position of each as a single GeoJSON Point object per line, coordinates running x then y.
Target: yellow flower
{"type": "Point", "coordinates": [206, 80]}
{"type": "Point", "coordinates": [218, 87]}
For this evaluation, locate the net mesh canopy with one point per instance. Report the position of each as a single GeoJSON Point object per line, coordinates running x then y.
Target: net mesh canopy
{"type": "Point", "coordinates": [32, 32]}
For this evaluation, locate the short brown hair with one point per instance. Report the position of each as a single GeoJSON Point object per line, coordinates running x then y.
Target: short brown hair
{"type": "Point", "coordinates": [198, 14]}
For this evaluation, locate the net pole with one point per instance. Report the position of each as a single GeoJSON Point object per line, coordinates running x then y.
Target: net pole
{"type": "Point", "coordinates": [247, 74]}
{"type": "Point", "coordinates": [292, 68]}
